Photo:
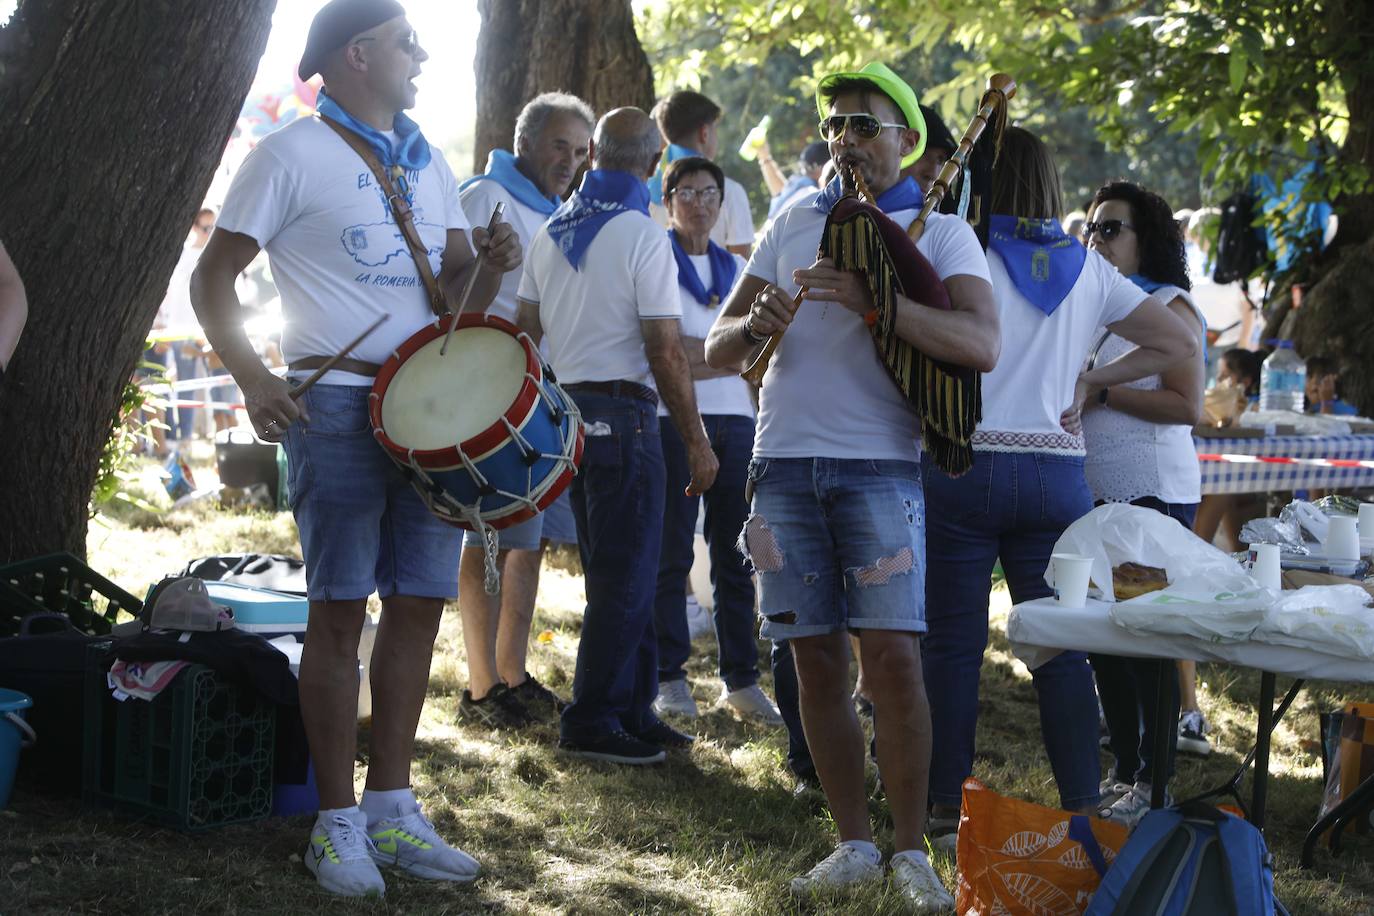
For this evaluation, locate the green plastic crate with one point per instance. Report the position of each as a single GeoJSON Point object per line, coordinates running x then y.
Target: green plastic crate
{"type": "Point", "coordinates": [198, 755]}
{"type": "Point", "coordinates": [60, 583]}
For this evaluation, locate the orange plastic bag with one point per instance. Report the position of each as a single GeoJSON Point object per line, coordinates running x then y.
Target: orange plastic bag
{"type": "Point", "coordinates": [1016, 857]}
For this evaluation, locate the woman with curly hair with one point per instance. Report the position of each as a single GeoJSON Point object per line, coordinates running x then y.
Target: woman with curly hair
{"type": "Point", "coordinates": [1140, 451]}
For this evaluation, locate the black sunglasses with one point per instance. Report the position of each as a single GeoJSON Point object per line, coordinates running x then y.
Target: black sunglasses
{"type": "Point", "coordinates": [1107, 229]}
{"type": "Point", "coordinates": [865, 126]}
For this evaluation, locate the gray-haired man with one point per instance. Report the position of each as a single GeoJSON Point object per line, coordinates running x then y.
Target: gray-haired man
{"type": "Point", "coordinates": [552, 135]}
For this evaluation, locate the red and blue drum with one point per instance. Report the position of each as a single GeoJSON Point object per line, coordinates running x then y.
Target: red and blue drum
{"type": "Point", "coordinates": [484, 432]}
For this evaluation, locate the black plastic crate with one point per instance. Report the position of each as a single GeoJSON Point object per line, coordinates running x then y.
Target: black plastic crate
{"type": "Point", "coordinates": [198, 755]}
{"type": "Point", "coordinates": [60, 583]}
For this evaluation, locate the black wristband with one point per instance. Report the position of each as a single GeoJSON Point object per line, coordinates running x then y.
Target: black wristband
{"type": "Point", "coordinates": [749, 334]}
{"type": "Point", "coordinates": [1102, 396]}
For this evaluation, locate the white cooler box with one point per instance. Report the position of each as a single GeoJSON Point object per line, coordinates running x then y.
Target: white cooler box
{"type": "Point", "coordinates": [266, 613]}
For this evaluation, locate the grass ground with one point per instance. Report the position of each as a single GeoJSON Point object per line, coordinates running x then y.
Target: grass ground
{"type": "Point", "coordinates": [713, 831]}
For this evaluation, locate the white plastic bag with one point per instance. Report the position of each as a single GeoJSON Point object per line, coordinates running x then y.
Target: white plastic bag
{"type": "Point", "coordinates": [1210, 596]}
{"type": "Point", "coordinates": [1328, 618]}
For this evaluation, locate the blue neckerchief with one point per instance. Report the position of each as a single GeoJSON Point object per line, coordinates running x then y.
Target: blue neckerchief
{"type": "Point", "coordinates": [603, 194]}
{"type": "Point", "coordinates": [412, 149]}
{"type": "Point", "coordinates": [793, 186]}
{"type": "Point", "coordinates": [722, 272]}
{"type": "Point", "coordinates": [1146, 283]}
{"type": "Point", "coordinates": [904, 195]}
{"type": "Point", "coordinates": [671, 154]}
{"type": "Point", "coordinates": [501, 168]}
{"type": "Point", "coordinates": [1041, 259]}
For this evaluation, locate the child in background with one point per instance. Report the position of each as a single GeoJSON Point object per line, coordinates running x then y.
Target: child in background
{"type": "Point", "coordinates": [1323, 388]}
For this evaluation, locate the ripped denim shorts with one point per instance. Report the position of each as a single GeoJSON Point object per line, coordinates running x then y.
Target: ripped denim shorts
{"type": "Point", "coordinates": [837, 544]}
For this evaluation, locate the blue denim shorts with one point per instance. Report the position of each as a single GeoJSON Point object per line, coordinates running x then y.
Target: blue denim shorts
{"type": "Point", "coordinates": [837, 544]}
{"type": "Point", "coordinates": [522, 536]}
{"type": "Point", "coordinates": [363, 527]}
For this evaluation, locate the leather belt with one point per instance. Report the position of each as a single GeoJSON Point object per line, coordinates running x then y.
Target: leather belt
{"type": "Point", "coordinates": [616, 389]}
{"type": "Point", "coordinates": [356, 366]}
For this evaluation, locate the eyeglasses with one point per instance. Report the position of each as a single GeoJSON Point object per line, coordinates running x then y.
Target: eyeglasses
{"type": "Point", "coordinates": [707, 196]}
{"type": "Point", "coordinates": [865, 126]}
{"type": "Point", "coordinates": [409, 42]}
{"type": "Point", "coordinates": [1106, 229]}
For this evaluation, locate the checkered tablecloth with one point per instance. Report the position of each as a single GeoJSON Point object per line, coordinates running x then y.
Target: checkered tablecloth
{"type": "Point", "coordinates": [1285, 463]}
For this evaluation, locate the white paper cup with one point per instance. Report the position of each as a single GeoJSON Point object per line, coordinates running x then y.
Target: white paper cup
{"type": "Point", "coordinates": [1367, 521]}
{"type": "Point", "coordinates": [1070, 574]}
{"type": "Point", "coordinates": [1264, 566]}
{"type": "Point", "coordinates": [1343, 538]}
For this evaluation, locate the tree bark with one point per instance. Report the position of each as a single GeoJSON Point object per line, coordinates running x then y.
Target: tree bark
{"type": "Point", "coordinates": [586, 47]}
{"type": "Point", "coordinates": [113, 117]}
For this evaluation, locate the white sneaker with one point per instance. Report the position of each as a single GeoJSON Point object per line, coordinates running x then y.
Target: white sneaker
{"type": "Point", "coordinates": [408, 842]}
{"type": "Point", "coordinates": [842, 868]}
{"type": "Point", "coordinates": [699, 622]}
{"type": "Point", "coordinates": [675, 698]}
{"type": "Point", "coordinates": [340, 857]}
{"type": "Point", "coordinates": [751, 703]}
{"type": "Point", "coordinates": [1192, 734]}
{"type": "Point", "coordinates": [1131, 807]}
{"type": "Point", "coordinates": [915, 880]}
{"type": "Point", "coordinates": [1110, 789]}
{"type": "Point", "coordinates": [942, 834]}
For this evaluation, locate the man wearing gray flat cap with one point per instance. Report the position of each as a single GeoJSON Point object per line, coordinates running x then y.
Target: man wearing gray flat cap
{"type": "Point", "coordinates": [323, 196]}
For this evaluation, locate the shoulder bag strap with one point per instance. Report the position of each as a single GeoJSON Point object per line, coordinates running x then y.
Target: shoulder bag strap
{"type": "Point", "coordinates": [400, 208]}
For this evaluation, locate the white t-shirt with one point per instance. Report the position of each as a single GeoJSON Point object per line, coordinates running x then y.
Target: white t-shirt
{"type": "Point", "coordinates": [1222, 305]}
{"type": "Point", "coordinates": [479, 199]}
{"type": "Point", "coordinates": [728, 395]}
{"type": "Point", "coordinates": [735, 225]}
{"type": "Point", "coordinates": [338, 258]}
{"type": "Point", "coordinates": [176, 315]}
{"type": "Point", "coordinates": [591, 316]}
{"type": "Point", "coordinates": [1129, 457]}
{"type": "Point", "coordinates": [1042, 355]}
{"type": "Point", "coordinates": [827, 393]}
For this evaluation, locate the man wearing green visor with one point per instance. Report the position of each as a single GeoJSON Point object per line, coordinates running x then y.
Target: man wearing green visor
{"type": "Point", "coordinates": [837, 530]}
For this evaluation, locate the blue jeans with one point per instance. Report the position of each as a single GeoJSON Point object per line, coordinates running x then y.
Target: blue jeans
{"type": "Point", "coordinates": [732, 439]}
{"type": "Point", "coordinates": [363, 527]}
{"type": "Point", "coordinates": [617, 500]}
{"type": "Point", "coordinates": [837, 544]}
{"type": "Point", "coordinates": [188, 367]}
{"type": "Point", "coordinates": [1013, 506]}
{"type": "Point", "coordinates": [1131, 690]}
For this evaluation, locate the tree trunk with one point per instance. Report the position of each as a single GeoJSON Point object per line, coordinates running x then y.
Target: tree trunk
{"type": "Point", "coordinates": [113, 117]}
{"type": "Point", "coordinates": [586, 47]}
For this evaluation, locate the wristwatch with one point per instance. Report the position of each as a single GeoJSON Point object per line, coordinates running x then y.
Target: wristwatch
{"type": "Point", "coordinates": [1102, 396]}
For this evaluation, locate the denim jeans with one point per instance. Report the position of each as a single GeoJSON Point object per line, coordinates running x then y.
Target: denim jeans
{"type": "Point", "coordinates": [1130, 690]}
{"type": "Point", "coordinates": [617, 500]}
{"type": "Point", "coordinates": [732, 439]}
{"type": "Point", "coordinates": [788, 694]}
{"type": "Point", "coordinates": [1013, 506]}
{"type": "Point", "coordinates": [188, 367]}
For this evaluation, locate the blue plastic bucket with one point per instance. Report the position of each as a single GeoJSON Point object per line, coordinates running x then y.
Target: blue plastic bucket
{"type": "Point", "coordinates": [14, 734]}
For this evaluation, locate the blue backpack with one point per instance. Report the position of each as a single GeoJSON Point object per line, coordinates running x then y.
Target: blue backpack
{"type": "Point", "coordinates": [1189, 860]}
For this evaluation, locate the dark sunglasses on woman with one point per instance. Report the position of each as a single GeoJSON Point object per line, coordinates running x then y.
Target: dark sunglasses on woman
{"type": "Point", "coordinates": [1108, 229]}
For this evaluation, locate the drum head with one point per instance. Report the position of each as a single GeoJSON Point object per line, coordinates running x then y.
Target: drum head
{"type": "Point", "coordinates": [436, 402]}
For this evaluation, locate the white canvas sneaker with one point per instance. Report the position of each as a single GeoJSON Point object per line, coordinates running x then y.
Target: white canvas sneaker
{"type": "Point", "coordinates": [915, 880]}
{"type": "Point", "coordinates": [675, 699]}
{"type": "Point", "coordinates": [751, 703]}
{"type": "Point", "coordinates": [843, 867]}
{"type": "Point", "coordinates": [340, 857]}
{"type": "Point", "coordinates": [409, 842]}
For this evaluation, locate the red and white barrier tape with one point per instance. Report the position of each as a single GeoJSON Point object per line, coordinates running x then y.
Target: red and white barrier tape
{"type": "Point", "coordinates": [1278, 459]}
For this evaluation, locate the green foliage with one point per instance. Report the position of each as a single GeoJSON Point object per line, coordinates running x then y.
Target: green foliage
{"type": "Point", "coordinates": [131, 428]}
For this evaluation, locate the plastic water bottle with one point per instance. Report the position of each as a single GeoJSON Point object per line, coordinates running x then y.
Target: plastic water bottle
{"type": "Point", "coordinates": [1283, 379]}
{"type": "Point", "coordinates": [749, 149]}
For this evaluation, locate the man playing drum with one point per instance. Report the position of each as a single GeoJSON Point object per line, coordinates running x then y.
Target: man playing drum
{"type": "Point", "coordinates": [837, 534]}
{"type": "Point", "coordinates": [551, 137]}
{"type": "Point", "coordinates": [340, 262]}
{"type": "Point", "coordinates": [601, 281]}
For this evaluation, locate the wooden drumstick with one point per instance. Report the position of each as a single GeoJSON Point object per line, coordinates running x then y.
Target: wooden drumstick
{"type": "Point", "coordinates": [330, 363]}
{"type": "Point", "coordinates": [472, 277]}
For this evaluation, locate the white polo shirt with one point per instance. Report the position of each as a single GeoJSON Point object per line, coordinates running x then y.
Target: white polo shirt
{"type": "Point", "coordinates": [338, 259]}
{"type": "Point", "coordinates": [479, 200]}
{"type": "Point", "coordinates": [591, 316]}
{"type": "Point", "coordinates": [1042, 355]}
{"type": "Point", "coordinates": [728, 395]}
{"type": "Point", "coordinates": [827, 393]}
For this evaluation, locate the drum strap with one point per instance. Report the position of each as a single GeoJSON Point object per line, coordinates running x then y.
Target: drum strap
{"type": "Point", "coordinates": [400, 209]}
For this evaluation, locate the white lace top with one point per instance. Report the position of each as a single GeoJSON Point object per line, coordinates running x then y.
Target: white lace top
{"type": "Point", "coordinates": [1129, 458]}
